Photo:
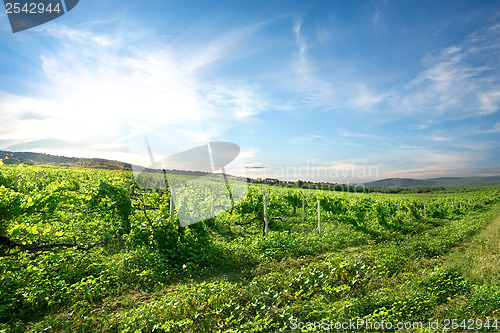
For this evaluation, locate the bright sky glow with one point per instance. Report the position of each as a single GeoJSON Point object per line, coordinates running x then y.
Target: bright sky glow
{"type": "Point", "coordinates": [343, 91]}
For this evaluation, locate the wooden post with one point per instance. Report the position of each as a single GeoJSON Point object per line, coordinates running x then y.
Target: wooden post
{"type": "Point", "coordinates": [319, 218]}
{"type": "Point", "coordinates": [303, 208]}
{"type": "Point", "coordinates": [398, 207]}
{"type": "Point", "coordinates": [213, 204]}
{"type": "Point", "coordinates": [266, 220]}
{"type": "Point", "coordinates": [172, 212]}
{"type": "Point", "coordinates": [425, 211]}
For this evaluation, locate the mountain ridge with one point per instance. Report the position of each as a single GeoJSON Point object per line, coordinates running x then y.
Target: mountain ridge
{"type": "Point", "coordinates": [9, 157]}
{"type": "Point", "coordinates": [446, 182]}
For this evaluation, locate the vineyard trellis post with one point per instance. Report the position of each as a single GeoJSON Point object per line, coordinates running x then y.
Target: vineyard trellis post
{"type": "Point", "coordinates": [266, 220]}
{"type": "Point", "coordinates": [172, 209]}
{"type": "Point", "coordinates": [319, 218]}
{"type": "Point", "coordinates": [213, 205]}
{"type": "Point", "coordinates": [303, 208]}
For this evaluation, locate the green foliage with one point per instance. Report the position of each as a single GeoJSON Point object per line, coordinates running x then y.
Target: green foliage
{"type": "Point", "coordinates": [112, 195]}
{"type": "Point", "coordinates": [447, 284]}
{"type": "Point", "coordinates": [293, 199]}
{"type": "Point", "coordinates": [10, 206]}
{"type": "Point", "coordinates": [375, 258]}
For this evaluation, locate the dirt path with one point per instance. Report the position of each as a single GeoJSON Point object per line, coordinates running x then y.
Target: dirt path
{"type": "Point", "coordinates": [479, 258]}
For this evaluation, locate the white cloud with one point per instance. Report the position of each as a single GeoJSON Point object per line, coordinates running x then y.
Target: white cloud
{"type": "Point", "coordinates": [96, 98]}
{"type": "Point", "coordinates": [490, 102]}
{"type": "Point", "coordinates": [422, 126]}
{"type": "Point", "coordinates": [249, 154]}
{"type": "Point", "coordinates": [71, 35]}
{"type": "Point", "coordinates": [242, 99]}
{"type": "Point", "coordinates": [365, 98]}
{"type": "Point", "coordinates": [495, 129]}
{"type": "Point", "coordinates": [418, 162]}
{"type": "Point", "coordinates": [440, 138]}
{"type": "Point", "coordinates": [462, 79]}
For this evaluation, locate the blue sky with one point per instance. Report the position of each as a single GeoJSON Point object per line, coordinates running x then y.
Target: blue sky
{"type": "Point", "coordinates": [342, 91]}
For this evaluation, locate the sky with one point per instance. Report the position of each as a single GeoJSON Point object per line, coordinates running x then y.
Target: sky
{"type": "Point", "coordinates": [336, 91]}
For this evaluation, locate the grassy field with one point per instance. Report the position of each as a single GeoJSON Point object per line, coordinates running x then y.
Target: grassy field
{"type": "Point", "coordinates": [99, 254]}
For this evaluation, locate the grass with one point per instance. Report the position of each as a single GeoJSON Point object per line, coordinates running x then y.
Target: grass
{"type": "Point", "coordinates": [400, 265]}
{"type": "Point", "coordinates": [479, 258]}
{"type": "Point", "coordinates": [440, 275]}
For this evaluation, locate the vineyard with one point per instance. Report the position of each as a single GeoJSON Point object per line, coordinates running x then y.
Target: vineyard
{"type": "Point", "coordinates": [86, 250]}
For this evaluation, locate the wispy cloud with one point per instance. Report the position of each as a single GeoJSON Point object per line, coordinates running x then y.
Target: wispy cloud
{"type": "Point", "coordinates": [458, 79]}
{"type": "Point", "coordinates": [242, 100]}
{"type": "Point", "coordinates": [440, 138]}
{"type": "Point", "coordinates": [78, 36]}
{"type": "Point", "coordinates": [313, 90]}
{"type": "Point", "coordinates": [365, 98]}
{"type": "Point", "coordinates": [421, 162]}
{"type": "Point", "coordinates": [321, 140]}
{"type": "Point", "coordinates": [494, 129]}
{"type": "Point", "coordinates": [378, 17]}
{"type": "Point", "coordinates": [490, 102]}
{"type": "Point", "coordinates": [221, 47]}
{"type": "Point", "coordinates": [323, 35]}
{"type": "Point", "coordinates": [328, 94]}
{"type": "Point", "coordinates": [359, 135]}
{"type": "Point", "coordinates": [312, 140]}
{"type": "Point", "coordinates": [477, 145]}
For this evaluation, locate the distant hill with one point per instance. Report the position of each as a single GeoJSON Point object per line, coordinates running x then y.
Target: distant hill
{"type": "Point", "coordinates": [466, 181]}
{"type": "Point", "coordinates": [399, 182]}
{"type": "Point", "coordinates": [46, 159]}
{"type": "Point", "coordinates": [446, 182]}
{"type": "Point", "coordinates": [9, 157]}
